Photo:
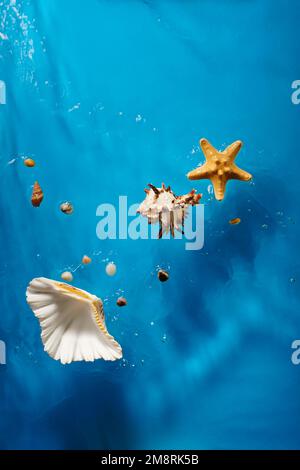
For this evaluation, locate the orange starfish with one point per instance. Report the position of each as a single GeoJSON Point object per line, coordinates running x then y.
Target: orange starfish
{"type": "Point", "coordinates": [219, 167]}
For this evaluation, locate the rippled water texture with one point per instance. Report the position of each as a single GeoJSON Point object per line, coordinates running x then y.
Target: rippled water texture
{"type": "Point", "coordinates": [107, 96]}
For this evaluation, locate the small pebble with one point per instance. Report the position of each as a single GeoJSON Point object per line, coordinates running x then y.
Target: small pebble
{"type": "Point", "coordinates": [121, 302]}
{"type": "Point", "coordinates": [163, 276]}
{"type": "Point", "coordinates": [111, 269]}
{"type": "Point", "coordinates": [86, 260]}
{"type": "Point", "coordinates": [66, 208]}
{"type": "Point", "coordinates": [235, 221]}
{"type": "Point", "coordinates": [29, 162]}
{"type": "Point", "coordinates": [67, 276]}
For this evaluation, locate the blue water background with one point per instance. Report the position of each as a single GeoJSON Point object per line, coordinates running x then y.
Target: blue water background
{"type": "Point", "coordinates": [108, 96]}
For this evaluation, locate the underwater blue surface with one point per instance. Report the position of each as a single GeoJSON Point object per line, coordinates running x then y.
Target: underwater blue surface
{"type": "Point", "coordinates": [108, 96]}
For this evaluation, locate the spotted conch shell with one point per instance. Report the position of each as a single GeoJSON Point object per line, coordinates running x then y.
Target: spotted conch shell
{"type": "Point", "coordinates": [72, 322]}
{"type": "Point", "coordinates": [162, 206]}
{"type": "Point", "coordinates": [37, 195]}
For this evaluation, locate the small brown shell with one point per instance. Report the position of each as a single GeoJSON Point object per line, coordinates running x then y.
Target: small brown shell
{"type": "Point", "coordinates": [37, 195]}
{"type": "Point", "coordinates": [29, 162]}
{"type": "Point", "coordinates": [235, 221]}
{"type": "Point", "coordinates": [86, 259]}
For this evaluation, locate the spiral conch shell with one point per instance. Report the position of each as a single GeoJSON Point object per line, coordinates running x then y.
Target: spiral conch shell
{"type": "Point", "coordinates": [72, 322]}
{"type": "Point", "coordinates": [37, 195]}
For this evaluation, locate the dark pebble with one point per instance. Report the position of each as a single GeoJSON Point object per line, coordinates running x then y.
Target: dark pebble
{"type": "Point", "coordinates": [163, 276]}
{"type": "Point", "coordinates": [121, 302]}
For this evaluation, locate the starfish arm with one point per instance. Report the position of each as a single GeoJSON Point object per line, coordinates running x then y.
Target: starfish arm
{"type": "Point", "coordinates": [219, 185]}
{"type": "Point", "coordinates": [200, 173]}
{"type": "Point", "coordinates": [239, 174]}
{"type": "Point", "coordinates": [233, 149]}
{"type": "Point", "coordinates": [208, 150]}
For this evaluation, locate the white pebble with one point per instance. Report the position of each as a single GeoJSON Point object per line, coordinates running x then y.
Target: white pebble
{"type": "Point", "coordinates": [111, 269]}
{"type": "Point", "coordinates": [67, 276]}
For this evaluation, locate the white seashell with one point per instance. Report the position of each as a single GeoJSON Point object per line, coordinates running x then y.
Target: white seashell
{"type": "Point", "coordinates": [72, 322]}
{"type": "Point", "coordinates": [163, 207]}
{"type": "Point", "coordinates": [111, 269]}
